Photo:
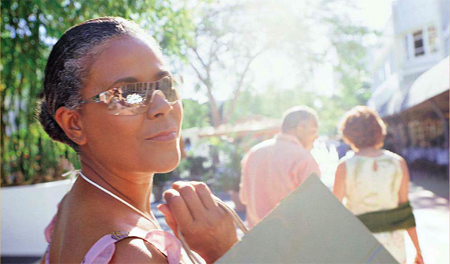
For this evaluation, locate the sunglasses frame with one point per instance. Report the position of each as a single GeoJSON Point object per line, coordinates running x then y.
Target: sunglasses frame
{"type": "Point", "coordinates": [148, 87]}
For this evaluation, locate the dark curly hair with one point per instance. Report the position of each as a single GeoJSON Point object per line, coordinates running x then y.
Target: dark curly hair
{"type": "Point", "coordinates": [362, 127]}
{"type": "Point", "coordinates": [69, 64]}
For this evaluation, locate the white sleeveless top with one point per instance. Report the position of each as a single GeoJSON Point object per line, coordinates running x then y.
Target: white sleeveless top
{"type": "Point", "coordinates": [372, 184]}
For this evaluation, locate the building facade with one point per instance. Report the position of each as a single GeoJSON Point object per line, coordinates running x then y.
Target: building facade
{"type": "Point", "coordinates": [412, 55]}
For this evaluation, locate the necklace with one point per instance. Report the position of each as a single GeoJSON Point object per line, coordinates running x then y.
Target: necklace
{"type": "Point", "coordinates": [120, 200]}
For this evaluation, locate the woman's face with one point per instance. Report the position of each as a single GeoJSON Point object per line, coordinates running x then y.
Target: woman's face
{"type": "Point", "coordinates": [143, 143]}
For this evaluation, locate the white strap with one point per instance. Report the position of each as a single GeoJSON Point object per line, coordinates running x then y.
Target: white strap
{"type": "Point", "coordinates": [120, 200]}
{"type": "Point", "coordinates": [72, 175]}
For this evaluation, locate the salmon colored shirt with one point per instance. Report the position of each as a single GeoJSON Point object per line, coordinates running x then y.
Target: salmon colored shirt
{"type": "Point", "coordinates": [270, 171]}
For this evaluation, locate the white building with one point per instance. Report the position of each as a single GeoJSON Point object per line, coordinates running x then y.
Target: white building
{"type": "Point", "coordinates": [415, 38]}
{"type": "Point", "coordinates": [410, 87]}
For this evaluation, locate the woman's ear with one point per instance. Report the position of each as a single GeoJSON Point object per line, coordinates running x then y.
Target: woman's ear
{"type": "Point", "coordinates": [71, 122]}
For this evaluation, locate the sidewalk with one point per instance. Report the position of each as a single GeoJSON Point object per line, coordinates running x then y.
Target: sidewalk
{"type": "Point", "coordinates": [430, 200]}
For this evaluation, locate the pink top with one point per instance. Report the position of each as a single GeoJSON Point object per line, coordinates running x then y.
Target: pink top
{"type": "Point", "coordinates": [270, 171]}
{"type": "Point", "coordinates": [103, 250]}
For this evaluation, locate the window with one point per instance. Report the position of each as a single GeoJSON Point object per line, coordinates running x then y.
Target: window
{"type": "Point", "coordinates": [418, 43]}
{"type": "Point", "coordinates": [421, 43]}
{"type": "Point", "coordinates": [432, 39]}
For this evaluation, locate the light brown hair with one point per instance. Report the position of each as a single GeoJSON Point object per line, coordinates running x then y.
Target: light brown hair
{"type": "Point", "coordinates": [362, 127]}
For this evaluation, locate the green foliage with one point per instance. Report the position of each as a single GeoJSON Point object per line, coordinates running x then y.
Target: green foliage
{"type": "Point", "coordinates": [160, 178]}
{"type": "Point", "coordinates": [228, 172]}
{"type": "Point", "coordinates": [273, 102]}
{"type": "Point", "coordinates": [195, 114]}
{"type": "Point", "coordinates": [28, 31]}
{"type": "Point", "coordinates": [351, 43]}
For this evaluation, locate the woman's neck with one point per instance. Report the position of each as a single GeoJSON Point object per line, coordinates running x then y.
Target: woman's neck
{"type": "Point", "coordinates": [134, 189]}
{"type": "Point", "coordinates": [369, 152]}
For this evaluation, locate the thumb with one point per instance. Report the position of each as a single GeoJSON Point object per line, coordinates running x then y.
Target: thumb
{"type": "Point", "coordinates": [170, 220]}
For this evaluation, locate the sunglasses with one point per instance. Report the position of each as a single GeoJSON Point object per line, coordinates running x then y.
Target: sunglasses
{"type": "Point", "coordinates": [135, 98]}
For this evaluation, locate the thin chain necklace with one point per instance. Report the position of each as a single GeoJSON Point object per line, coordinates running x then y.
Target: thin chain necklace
{"type": "Point", "coordinates": [120, 200]}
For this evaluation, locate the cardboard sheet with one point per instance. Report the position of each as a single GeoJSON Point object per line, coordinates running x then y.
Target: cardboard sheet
{"type": "Point", "coordinates": [309, 226]}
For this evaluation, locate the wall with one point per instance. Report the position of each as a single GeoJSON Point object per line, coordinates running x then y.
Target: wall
{"type": "Point", "coordinates": [410, 15]}
{"type": "Point", "coordinates": [25, 212]}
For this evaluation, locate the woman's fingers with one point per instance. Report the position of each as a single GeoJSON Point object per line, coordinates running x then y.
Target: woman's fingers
{"type": "Point", "coordinates": [205, 195]}
{"type": "Point", "coordinates": [170, 220]}
{"type": "Point", "coordinates": [207, 228]}
{"type": "Point", "coordinates": [178, 208]}
{"type": "Point", "coordinates": [191, 199]}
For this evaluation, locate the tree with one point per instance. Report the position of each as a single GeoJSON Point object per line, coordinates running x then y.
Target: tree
{"type": "Point", "coordinates": [219, 46]}
{"type": "Point", "coordinates": [351, 43]}
{"type": "Point", "coordinates": [195, 114]}
{"type": "Point", "coordinates": [28, 31]}
{"type": "Point", "coordinates": [229, 38]}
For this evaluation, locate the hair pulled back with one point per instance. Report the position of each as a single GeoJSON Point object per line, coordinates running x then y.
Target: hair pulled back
{"type": "Point", "coordinates": [69, 64]}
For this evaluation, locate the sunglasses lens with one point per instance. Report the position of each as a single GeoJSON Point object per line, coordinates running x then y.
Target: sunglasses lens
{"type": "Point", "coordinates": [134, 98]}
{"type": "Point", "coordinates": [168, 87]}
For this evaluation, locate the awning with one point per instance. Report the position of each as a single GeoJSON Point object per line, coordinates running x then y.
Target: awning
{"type": "Point", "coordinates": [433, 82]}
{"type": "Point", "coordinates": [394, 106]}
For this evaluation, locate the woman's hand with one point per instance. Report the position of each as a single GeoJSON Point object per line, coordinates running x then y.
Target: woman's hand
{"type": "Point", "coordinates": [418, 259]}
{"type": "Point", "coordinates": [208, 229]}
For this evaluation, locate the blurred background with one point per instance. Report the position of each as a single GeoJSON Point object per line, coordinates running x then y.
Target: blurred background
{"type": "Point", "coordinates": [243, 63]}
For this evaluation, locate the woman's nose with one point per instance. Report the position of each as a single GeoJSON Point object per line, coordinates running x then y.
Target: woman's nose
{"type": "Point", "coordinates": [159, 106]}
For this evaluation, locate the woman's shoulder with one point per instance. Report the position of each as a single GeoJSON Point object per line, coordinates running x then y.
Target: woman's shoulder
{"type": "Point", "coordinates": [118, 236]}
{"type": "Point", "coordinates": [137, 250]}
{"type": "Point", "coordinates": [80, 223]}
{"type": "Point", "coordinates": [154, 246]}
{"type": "Point", "coordinates": [348, 157]}
{"type": "Point", "coordinates": [394, 156]}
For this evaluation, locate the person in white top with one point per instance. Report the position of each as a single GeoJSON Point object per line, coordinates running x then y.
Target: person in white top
{"type": "Point", "coordinates": [374, 180]}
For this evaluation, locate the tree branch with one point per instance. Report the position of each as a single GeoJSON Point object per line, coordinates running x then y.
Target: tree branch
{"type": "Point", "coordinates": [237, 92]}
{"type": "Point", "coordinates": [200, 59]}
{"type": "Point", "coordinates": [198, 73]}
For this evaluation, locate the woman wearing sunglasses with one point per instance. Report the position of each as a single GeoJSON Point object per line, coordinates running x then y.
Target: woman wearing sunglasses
{"type": "Point", "coordinates": [108, 94]}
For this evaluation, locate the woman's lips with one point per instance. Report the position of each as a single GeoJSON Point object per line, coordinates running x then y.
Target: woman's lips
{"type": "Point", "coordinates": [164, 136]}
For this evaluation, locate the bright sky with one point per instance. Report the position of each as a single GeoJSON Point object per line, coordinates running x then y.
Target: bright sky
{"type": "Point", "coordinates": [375, 12]}
{"type": "Point", "coordinates": [270, 68]}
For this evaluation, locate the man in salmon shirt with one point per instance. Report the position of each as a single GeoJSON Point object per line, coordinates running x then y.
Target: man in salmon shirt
{"type": "Point", "coordinates": [275, 167]}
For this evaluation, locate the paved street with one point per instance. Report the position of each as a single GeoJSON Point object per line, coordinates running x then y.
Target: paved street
{"type": "Point", "coordinates": [430, 199]}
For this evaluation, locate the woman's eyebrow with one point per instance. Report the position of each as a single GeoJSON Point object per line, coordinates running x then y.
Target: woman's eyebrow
{"type": "Point", "coordinates": [124, 80]}
{"type": "Point", "coordinates": [159, 75]}
{"type": "Point", "coordinates": [163, 74]}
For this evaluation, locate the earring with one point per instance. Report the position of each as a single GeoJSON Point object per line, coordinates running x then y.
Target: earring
{"type": "Point", "coordinates": [74, 138]}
